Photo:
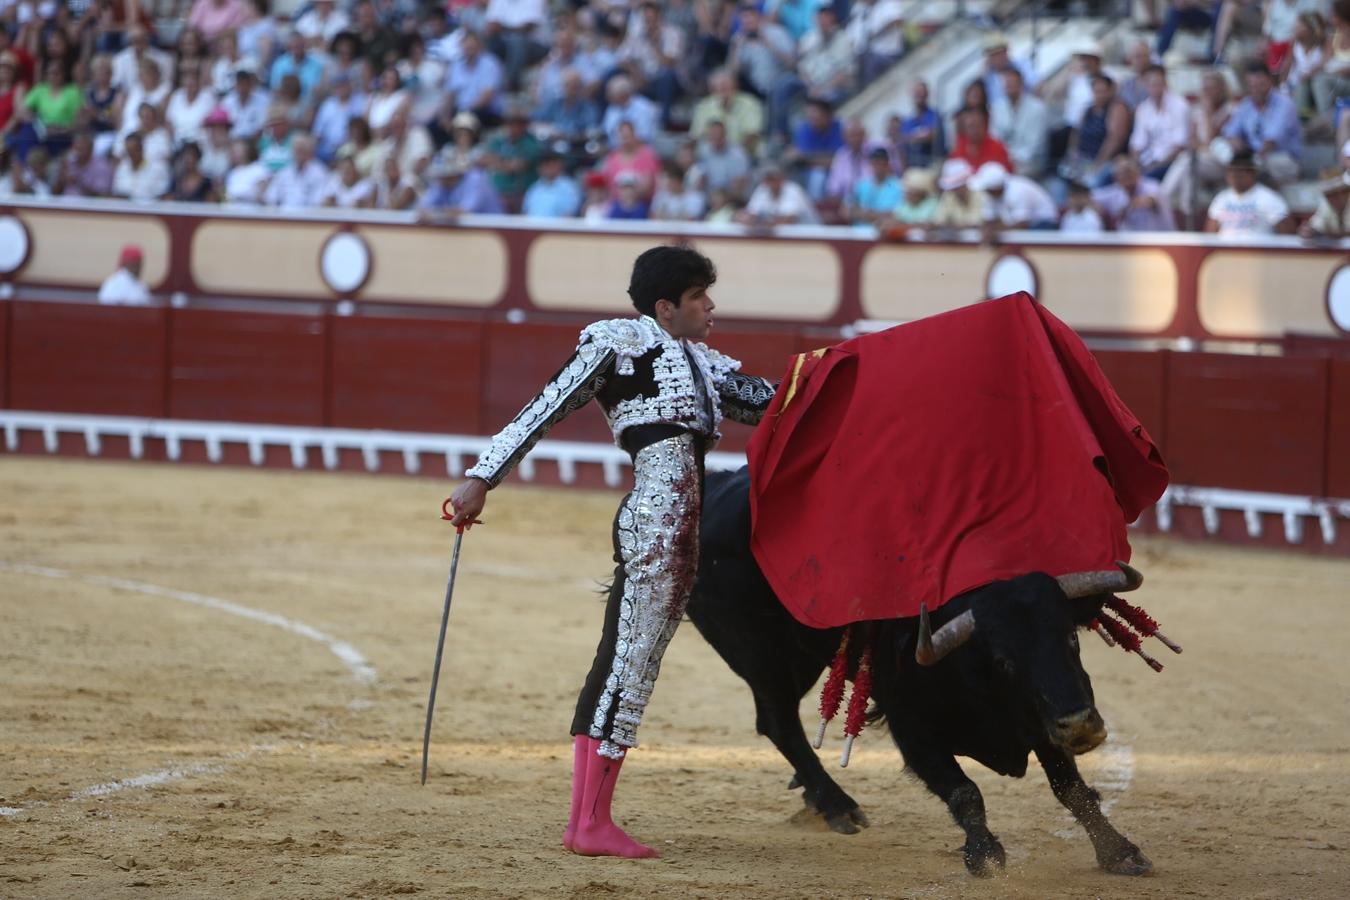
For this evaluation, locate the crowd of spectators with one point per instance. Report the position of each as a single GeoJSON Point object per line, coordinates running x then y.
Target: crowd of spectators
{"type": "Point", "coordinates": [687, 110]}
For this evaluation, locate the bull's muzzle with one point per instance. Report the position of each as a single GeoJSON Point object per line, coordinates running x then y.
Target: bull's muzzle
{"type": "Point", "coordinates": [1080, 732]}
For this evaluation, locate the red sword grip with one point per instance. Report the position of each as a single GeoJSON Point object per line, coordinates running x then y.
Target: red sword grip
{"type": "Point", "coordinates": [448, 513]}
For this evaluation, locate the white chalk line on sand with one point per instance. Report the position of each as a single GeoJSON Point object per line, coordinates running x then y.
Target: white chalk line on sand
{"type": "Point", "coordinates": [1115, 776]}
{"type": "Point", "coordinates": [352, 658]}
{"type": "Point", "coordinates": [361, 670]}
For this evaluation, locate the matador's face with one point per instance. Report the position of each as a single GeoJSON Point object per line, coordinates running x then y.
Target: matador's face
{"type": "Point", "coordinates": [692, 319]}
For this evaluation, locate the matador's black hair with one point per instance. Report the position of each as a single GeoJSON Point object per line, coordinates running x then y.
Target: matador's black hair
{"type": "Point", "coordinates": [666, 272]}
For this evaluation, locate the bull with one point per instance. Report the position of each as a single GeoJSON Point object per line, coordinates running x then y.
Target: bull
{"type": "Point", "coordinates": [994, 676]}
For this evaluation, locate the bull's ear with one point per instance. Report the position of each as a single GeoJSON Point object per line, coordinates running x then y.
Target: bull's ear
{"type": "Point", "coordinates": [1085, 609]}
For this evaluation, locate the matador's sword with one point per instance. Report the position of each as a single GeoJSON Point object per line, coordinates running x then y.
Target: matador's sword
{"type": "Point", "coordinates": [447, 515]}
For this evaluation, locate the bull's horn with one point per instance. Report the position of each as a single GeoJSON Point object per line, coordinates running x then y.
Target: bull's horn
{"type": "Point", "coordinates": [933, 647]}
{"type": "Point", "coordinates": [1087, 584]}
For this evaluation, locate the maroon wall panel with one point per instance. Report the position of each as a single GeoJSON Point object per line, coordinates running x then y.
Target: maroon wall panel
{"type": "Point", "coordinates": [4, 353]}
{"type": "Point", "coordinates": [406, 374]}
{"type": "Point", "coordinates": [79, 357]}
{"type": "Point", "coordinates": [1338, 430]}
{"type": "Point", "coordinates": [1248, 422]}
{"type": "Point", "coordinates": [519, 360]}
{"type": "Point", "coordinates": [1141, 381]}
{"type": "Point", "coordinates": [247, 367]}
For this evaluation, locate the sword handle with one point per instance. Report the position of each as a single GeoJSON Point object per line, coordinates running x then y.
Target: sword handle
{"type": "Point", "coordinates": [448, 514]}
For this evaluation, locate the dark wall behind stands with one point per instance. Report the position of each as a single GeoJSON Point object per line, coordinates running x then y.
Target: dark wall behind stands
{"type": "Point", "coordinates": [1278, 424]}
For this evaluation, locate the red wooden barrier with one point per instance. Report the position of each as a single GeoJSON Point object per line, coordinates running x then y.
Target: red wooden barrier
{"type": "Point", "coordinates": [247, 367]}
{"type": "Point", "coordinates": [1338, 430]}
{"type": "Point", "coordinates": [519, 360]}
{"type": "Point", "coordinates": [1247, 422]}
{"type": "Point", "coordinates": [4, 354]}
{"type": "Point", "coordinates": [1141, 381]}
{"type": "Point", "coordinates": [81, 357]}
{"type": "Point", "coordinates": [406, 374]}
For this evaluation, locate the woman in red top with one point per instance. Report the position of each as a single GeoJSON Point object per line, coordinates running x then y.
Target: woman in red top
{"type": "Point", "coordinates": [975, 144]}
{"type": "Point", "coordinates": [11, 92]}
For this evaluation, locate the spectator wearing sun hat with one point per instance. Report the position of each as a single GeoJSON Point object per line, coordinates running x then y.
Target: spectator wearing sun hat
{"type": "Point", "coordinates": [1014, 201]}
{"type": "Point", "coordinates": [124, 286]}
{"type": "Point", "coordinates": [918, 202]}
{"type": "Point", "coordinates": [1332, 218]}
{"type": "Point", "coordinates": [959, 206]}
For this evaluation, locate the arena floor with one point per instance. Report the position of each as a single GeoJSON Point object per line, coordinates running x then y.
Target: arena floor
{"type": "Point", "coordinates": [214, 684]}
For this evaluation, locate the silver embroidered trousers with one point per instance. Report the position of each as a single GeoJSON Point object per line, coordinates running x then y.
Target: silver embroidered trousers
{"type": "Point", "coordinates": [656, 548]}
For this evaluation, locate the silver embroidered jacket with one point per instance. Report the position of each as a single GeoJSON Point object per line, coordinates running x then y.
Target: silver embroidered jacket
{"type": "Point", "coordinates": [640, 375]}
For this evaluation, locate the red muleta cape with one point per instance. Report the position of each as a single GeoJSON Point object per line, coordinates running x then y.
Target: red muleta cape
{"type": "Point", "coordinates": [917, 463]}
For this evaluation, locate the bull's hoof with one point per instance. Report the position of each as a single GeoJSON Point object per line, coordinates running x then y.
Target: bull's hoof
{"type": "Point", "coordinates": [1133, 862]}
{"type": "Point", "coordinates": [795, 783]}
{"type": "Point", "coordinates": [984, 860]}
{"type": "Point", "coordinates": [848, 822]}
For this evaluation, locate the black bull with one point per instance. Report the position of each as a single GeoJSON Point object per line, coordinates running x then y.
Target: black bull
{"type": "Point", "coordinates": [1015, 684]}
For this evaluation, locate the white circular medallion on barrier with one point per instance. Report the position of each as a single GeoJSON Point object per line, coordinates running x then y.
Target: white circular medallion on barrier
{"type": "Point", "coordinates": [1338, 298]}
{"type": "Point", "coordinates": [13, 244]}
{"type": "Point", "coordinates": [345, 262]}
{"type": "Point", "coordinates": [1008, 275]}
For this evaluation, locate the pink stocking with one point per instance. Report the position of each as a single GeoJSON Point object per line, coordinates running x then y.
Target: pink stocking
{"type": "Point", "coordinates": [581, 746]}
{"type": "Point", "coordinates": [596, 833]}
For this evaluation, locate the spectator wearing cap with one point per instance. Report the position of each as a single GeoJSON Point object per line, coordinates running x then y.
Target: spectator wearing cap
{"type": "Point", "coordinates": [627, 201]}
{"type": "Point", "coordinates": [82, 172]}
{"type": "Point", "coordinates": [998, 60]}
{"type": "Point", "coordinates": [815, 141]}
{"type": "Point", "coordinates": [632, 157]}
{"type": "Point", "coordinates": [877, 29]}
{"type": "Point", "coordinates": [762, 52]}
{"type": "Point", "coordinates": [475, 81]}
{"type": "Point", "coordinates": [247, 104]}
{"type": "Point", "coordinates": [649, 55]}
{"type": "Point", "coordinates": [596, 205]}
{"type": "Point", "coordinates": [216, 146]}
{"type": "Point", "coordinates": [515, 30]}
{"type": "Point", "coordinates": [463, 143]}
{"type": "Point", "coordinates": [572, 116]}
{"type": "Point", "coordinates": [1101, 135]}
{"type": "Point", "coordinates": [136, 177]}
{"type": "Point", "coordinates": [626, 106]}
{"type": "Point", "coordinates": [321, 23]}
{"type": "Point", "coordinates": [959, 206]}
{"type": "Point", "coordinates": [1013, 201]}
{"type": "Point", "coordinates": [553, 195]}
{"type": "Point", "coordinates": [187, 109]}
{"type": "Point", "coordinates": [725, 166]}
{"type": "Point", "coordinates": [877, 193]}
{"type": "Point", "coordinates": [213, 18]}
{"type": "Point", "coordinates": [742, 114]}
{"type": "Point", "coordinates": [1079, 217]}
{"type": "Point", "coordinates": [1161, 125]}
{"type": "Point", "coordinates": [918, 200]}
{"type": "Point", "coordinates": [1332, 217]}
{"type": "Point", "coordinates": [778, 201]}
{"type": "Point", "coordinates": [676, 200]}
{"type": "Point", "coordinates": [1247, 208]}
{"type": "Point", "coordinates": [975, 144]}
{"type": "Point", "coordinates": [124, 286]}
{"type": "Point", "coordinates": [923, 139]}
{"type": "Point", "coordinates": [346, 189]}
{"type": "Point", "coordinates": [335, 114]}
{"type": "Point", "coordinates": [458, 187]}
{"type": "Point", "coordinates": [512, 156]}
{"type": "Point", "coordinates": [1266, 124]}
{"type": "Point", "coordinates": [302, 182]}
{"type": "Point", "coordinates": [1134, 202]}
{"type": "Point", "coordinates": [276, 146]}
{"type": "Point", "coordinates": [300, 61]}
{"type": "Point", "coordinates": [1087, 65]}
{"type": "Point", "coordinates": [1022, 123]}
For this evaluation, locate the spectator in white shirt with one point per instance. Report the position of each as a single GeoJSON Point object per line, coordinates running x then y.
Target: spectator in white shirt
{"type": "Point", "coordinates": [248, 179]}
{"type": "Point", "coordinates": [150, 88]}
{"type": "Point", "coordinates": [515, 32]}
{"type": "Point", "coordinates": [302, 183]}
{"type": "Point", "coordinates": [188, 108]}
{"type": "Point", "coordinates": [124, 286]}
{"type": "Point", "coordinates": [1080, 217]}
{"type": "Point", "coordinates": [246, 105]}
{"type": "Point", "coordinates": [322, 23]}
{"type": "Point", "coordinates": [877, 29]}
{"type": "Point", "coordinates": [137, 178]}
{"type": "Point", "coordinates": [1161, 125]}
{"type": "Point", "coordinates": [625, 106]}
{"type": "Point", "coordinates": [1246, 208]}
{"type": "Point", "coordinates": [1087, 61]}
{"type": "Point", "coordinates": [127, 62]}
{"type": "Point", "coordinates": [1013, 201]}
{"type": "Point", "coordinates": [778, 201]}
{"type": "Point", "coordinates": [1022, 123]}
{"type": "Point", "coordinates": [346, 188]}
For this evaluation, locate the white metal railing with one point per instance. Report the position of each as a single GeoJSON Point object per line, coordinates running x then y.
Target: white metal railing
{"type": "Point", "coordinates": [457, 450]}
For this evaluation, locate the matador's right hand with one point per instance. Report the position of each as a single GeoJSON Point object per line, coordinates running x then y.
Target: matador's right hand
{"type": "Point", "coordinates": [468, 500]}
